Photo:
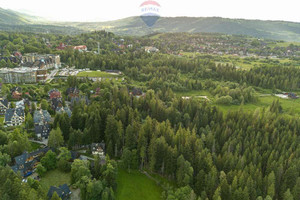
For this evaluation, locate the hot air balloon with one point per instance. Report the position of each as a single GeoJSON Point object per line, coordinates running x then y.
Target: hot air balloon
{"type": "Point", "coordinates": [150, 12]}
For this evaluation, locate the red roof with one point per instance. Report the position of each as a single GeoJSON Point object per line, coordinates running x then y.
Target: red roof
{"type": "Point", "coordinates": [81, 47]}
{"type": "Point", "coordinates": [55, 94]}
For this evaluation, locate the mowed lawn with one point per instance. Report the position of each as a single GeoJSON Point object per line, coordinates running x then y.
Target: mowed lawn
{"type": "Point", "coordinates": [55, 178]}
{"type": "Point", "coordinates": [97, 74]}
{"type": "Point", "coordinates": [289, 106]}
{"type": "Point", "coordinates": [136, 186]}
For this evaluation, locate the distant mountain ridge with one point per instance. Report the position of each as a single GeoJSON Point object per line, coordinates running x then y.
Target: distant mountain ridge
{"type": "Point", "coordinates": [278, 30]}
{"type": "Point", "coordinates": [12, 17]}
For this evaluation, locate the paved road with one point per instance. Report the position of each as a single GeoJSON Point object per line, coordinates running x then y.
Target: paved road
{"type": "Point", "coordinates": [51, 75]}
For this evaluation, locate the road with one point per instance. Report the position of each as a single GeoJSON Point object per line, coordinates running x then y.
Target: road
{"type": "Point", "coordinates": [51, 75]}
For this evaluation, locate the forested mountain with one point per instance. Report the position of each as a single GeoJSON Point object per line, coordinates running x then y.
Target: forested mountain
{"type": "Point", "coordinates": [279, 30]}
{"type": "Point", "coordinates": [12, 17]}
{"type": "Point", "coordinates": [19, 22]}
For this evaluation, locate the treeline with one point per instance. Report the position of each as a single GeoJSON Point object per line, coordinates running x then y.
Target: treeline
{"type": "Point", "coordinates": [279, 77]}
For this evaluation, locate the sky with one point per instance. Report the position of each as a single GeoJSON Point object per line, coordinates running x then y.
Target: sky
{"type": "Point", "coordinates": [104, 10]}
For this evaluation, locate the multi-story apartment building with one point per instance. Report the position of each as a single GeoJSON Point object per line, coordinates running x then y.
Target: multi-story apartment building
{"type": "Point", "coordinates": [18, 75]}
{"type": "Point", "coordinates": [42, 61]}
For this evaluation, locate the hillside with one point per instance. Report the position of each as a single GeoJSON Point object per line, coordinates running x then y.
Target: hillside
{"type": "Point", "coordinates": [278, 30]}
{"type": "Point", "coordinates": [19, 22]}
{"type": "Point", "coordinates": [12, 17]}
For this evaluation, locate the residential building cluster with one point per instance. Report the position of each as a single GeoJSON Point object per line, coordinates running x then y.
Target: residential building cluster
{"type": "Point", "coordinates": [32, 68]}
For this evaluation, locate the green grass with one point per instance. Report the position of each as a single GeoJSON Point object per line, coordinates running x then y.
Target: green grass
{"type": "Point", "coordinates": [55, 178]}
{"type": "Point", "coordinates": [1, 120]}
{"type": "Point", "coordinates": [136, 186]}
{"type": "Point", "coordinates": [35, 146]}
{"type": "Point", "coordinates": [290, 106]}
{"type": "Point", "coordinates": [163, 181]}
{"type": "Point", "coordinates": [96, 74]}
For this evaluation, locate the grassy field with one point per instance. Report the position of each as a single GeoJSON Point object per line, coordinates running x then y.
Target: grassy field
{"type": "Point", "coordinates": [97, 74]}
{"type": "Point", "coordinates": [55, 178]}
{"type": "Point", "coordinates": [136, 186]}
{"type": "Point", "coordinates": [290, 106]}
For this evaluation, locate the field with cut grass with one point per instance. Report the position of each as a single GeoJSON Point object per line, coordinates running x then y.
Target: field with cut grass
{"type": "Point", "coordinates": [97, 74]}
{"type": "Point", "coordinates": [289, 106]}
{"type": "Point", "coordinates": [55, 178]}
{"type": "Point", "coordinates": [136, 186]}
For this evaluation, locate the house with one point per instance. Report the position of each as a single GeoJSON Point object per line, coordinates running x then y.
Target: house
{"type": "Point", "coordinates": [23, 103]}
{"type": "Point", "coordinates": [3, 106]}
{"type": "Point", "coordinates": [77, 100]}
{"type": "Point", "coordinates": [80, 48]}
{"type": "Point", "coordinates": [16, 93]}
{"type": "Point", "coordinates": [56, 103]}
{"type": "Point", "coordinates": [136, 92]}
{"type": "Point", "coordinates": [292, 95]}
{"type": "Point", "coordinates": [74, 155]}
{"type": "Point", "coordinates": [65, 109]}
{"type": "Point", "coordinates": [72, 92]}
{"type": "Point", "coordinates": [47, 60]}
{"type": "Point", "coordinates": [18, 54]}
{"type": "Point", "coordinates": [14, 117]}
{"type": "Point", "coordinates": [54, 93]}
{"type": "Point", "coordinates": [98, 149]}
{"type": "Point", "coordinates": [151, 49]}
{"type": "Point", "coordinates": [42, 131]}
{"type": "Point", "coordinates": [63, 191]}
{"type": "Point", "coordinates": [41, 117]}
{"type": "Point", "coordinates": [27, 162]}
{"type": "Point", "coordinates": [18, 75]}
{"type": "Point", "coordinates": [96, 93]}
{"type": "Point", "coordinates": [61, 46]}
{"type": "Point", "coordinates": [20, 104]}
